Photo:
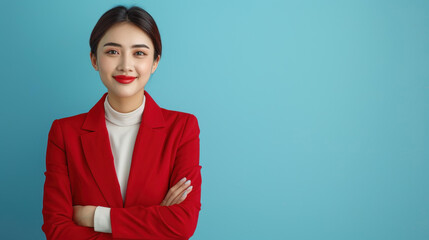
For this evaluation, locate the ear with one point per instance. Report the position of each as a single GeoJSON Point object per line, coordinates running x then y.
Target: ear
{"type": "Point", "coordinates": [93, 61]}
{"type": "Point", "coordinates": [155, 64]}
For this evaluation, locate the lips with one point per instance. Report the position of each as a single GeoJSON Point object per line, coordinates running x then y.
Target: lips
{"type": "Point", "coordinates": [124, 79]}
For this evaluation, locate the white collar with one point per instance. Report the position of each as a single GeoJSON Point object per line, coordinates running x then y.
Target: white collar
{"type": "Point", "coordinates": [123, 119]}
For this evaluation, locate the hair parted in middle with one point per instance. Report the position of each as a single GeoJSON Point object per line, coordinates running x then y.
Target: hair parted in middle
{"type": "Point", "coordinates": [119, 14]}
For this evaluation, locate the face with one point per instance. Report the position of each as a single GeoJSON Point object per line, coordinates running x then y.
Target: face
{"type": "Point", "coordinates": [125, 50]}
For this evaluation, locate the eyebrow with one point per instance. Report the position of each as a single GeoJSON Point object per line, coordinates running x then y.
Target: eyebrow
{"type": "Point", "coordinates": [133, 46]}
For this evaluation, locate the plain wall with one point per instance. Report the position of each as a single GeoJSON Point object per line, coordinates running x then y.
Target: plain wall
{"type": "Point", "coordinates": [313, 114]}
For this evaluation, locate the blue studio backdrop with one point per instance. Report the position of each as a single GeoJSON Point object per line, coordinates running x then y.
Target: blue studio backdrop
{"type": "Point", "coordinates": [313, 114]}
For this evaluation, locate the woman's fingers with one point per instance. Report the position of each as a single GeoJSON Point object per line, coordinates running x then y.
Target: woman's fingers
{"type": "Point", "coordinates": [177, 198]}
{"type": "Point", "coordinates": [175, 191]}
{"type": "Point", "coordinates": [171, 190]}
{"type": "Point", "coordinates": [181, 197]}
{"type": "Point", "coordinates": [178, 192]}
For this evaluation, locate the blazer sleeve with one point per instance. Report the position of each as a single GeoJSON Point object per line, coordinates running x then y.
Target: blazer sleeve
{"type": "Point", "coordinates": [57, 200]}
{"type": "Point", "coordinates": [177, 221]}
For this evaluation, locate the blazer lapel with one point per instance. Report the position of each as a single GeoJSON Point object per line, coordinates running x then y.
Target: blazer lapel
{"type": "Point", "coordinates": [98, 153]}
{"type": "Point", "coordinates": [147, 149]}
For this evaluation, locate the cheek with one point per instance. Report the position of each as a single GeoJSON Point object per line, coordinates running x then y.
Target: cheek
{"type": "Point", "coordinates": [144, 67]}
{"type": "Point", "coordinates": [106, 64]}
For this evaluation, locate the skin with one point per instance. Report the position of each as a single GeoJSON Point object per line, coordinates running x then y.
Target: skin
{"type": "Point", "coordinates": [125, 60]}
{"type": "Point", "coordinates": [84, 215]}
{"type": "Point", "coordinates": [133, 61]}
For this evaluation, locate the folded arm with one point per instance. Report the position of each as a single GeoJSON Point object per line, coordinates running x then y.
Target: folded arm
{"type": "Point", "coordinates": [57, 201]}
{"type": "Point", "coordinates": [165, 221]}
{"type": "Point", "coordinates": [101, 215]}
{"type": "Point", "coordinates": [176, 221]}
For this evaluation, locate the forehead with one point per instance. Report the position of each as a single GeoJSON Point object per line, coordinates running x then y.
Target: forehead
{"type": "Point", "coordinates": [126, 34]}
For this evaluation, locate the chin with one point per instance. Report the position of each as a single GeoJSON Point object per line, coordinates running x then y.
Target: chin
{"type": "Point", "coordinates": [122, 93]}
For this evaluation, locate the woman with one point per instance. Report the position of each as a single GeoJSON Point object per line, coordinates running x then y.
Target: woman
{"type": "Point", "coordinates": [127, 169]}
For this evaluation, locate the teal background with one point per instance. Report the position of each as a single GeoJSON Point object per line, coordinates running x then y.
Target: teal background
{"type": "Point", "coordinates": [313, 114]}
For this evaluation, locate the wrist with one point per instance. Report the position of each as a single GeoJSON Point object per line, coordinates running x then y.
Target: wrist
{"type": "Point", "coordinates": [91, 214]}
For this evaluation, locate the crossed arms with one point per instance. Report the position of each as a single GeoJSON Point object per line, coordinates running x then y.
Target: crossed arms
{"type": "Point", "coordinates": [172, 219]}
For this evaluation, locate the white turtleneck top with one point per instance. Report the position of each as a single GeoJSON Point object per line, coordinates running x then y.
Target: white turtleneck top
{"type": "Point", "coordinates": [122, 129]}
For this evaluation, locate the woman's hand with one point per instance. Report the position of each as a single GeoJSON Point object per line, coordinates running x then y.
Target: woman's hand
{"type": "Point", "coordinates": [177, 193]}
{"type": "Point", "coordinates": [84, 215]}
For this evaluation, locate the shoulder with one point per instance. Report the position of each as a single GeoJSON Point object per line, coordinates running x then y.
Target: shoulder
{"type": "Point", "coordinates": [62, 126]}
{"type": "Point", "coordinates": [179, 119]}
{"type": "Point", "coordinates": [68, 125]}
{"type": "Point", "coordinates": [179, 115]}
{"type": "Point", "coordinates": [75, 120]}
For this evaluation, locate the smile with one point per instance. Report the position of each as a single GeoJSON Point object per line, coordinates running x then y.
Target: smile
{"type": "Point", "coordinates": [124, 79]}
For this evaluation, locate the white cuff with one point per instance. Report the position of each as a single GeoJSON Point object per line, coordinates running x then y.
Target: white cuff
{"type": "Point", "coordinates": [102, 220]}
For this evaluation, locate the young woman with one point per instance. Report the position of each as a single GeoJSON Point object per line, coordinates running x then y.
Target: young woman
{"type": "Point", "coordinates": [127, 169]}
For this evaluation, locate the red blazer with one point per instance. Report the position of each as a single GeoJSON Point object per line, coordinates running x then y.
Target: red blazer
{"type": "Point", "coordinates": [80, 171]}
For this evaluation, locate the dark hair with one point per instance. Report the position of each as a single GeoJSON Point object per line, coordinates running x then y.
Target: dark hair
{"type": "Point", "coordinates": [135, 15]}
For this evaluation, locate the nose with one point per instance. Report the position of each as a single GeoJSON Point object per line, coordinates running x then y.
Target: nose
{"type": "Point", "coordinates": [125, 64]}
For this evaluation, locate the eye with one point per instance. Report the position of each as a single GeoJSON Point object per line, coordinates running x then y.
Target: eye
{"type": "Point", "coordinates": [141, 53]}
{"type": "Point", "coordinates": [111, 51]}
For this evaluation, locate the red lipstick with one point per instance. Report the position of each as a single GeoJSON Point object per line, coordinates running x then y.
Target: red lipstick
{"type": "Point", "coordinates": [124, 79]}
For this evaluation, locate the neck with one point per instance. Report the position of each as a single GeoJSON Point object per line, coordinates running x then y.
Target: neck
{"type": "Point", "coordinates": [126, 104]}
